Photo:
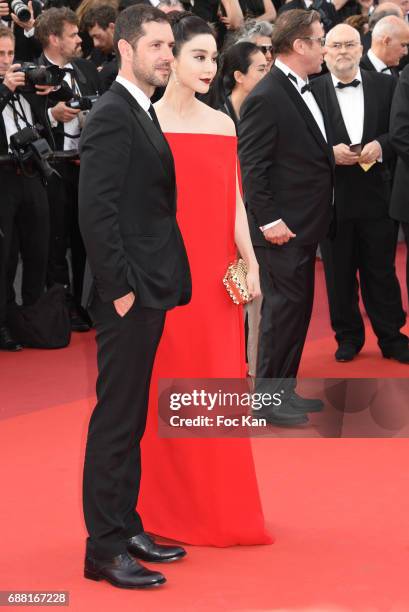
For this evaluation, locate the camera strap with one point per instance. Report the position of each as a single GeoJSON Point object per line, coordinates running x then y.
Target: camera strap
{"type": "Point", "coordinates": [19, 113]}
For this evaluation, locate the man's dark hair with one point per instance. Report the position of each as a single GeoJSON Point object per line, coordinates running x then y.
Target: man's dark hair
{"type": "Point", "coordinates": [52, 21]}
{"type": "Point", "coordinates": [101, 16]}
{"type": "Point", "coordinates": [5, 32]}
{"type": "Point", "coordinates": [291, 25]}
{"type": "Point", "coordinates": [130, 22]}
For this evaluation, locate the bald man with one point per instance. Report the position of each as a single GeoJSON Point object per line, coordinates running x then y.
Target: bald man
{"type": "Point", "coordinates": [390, 39]}
{"type": "Point", "coordinates": [357, 104]}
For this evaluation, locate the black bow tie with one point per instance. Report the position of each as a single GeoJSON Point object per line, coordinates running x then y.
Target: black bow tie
{"type": "Point", "coordinates": [306, 87]}
{"type": "Point", "coordinates": [353, 83]}
{"type": "Point", "coordinates": [386, 69]}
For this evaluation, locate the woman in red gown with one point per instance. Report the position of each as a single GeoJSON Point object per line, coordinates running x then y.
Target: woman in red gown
{"type": "Point", "coordinates": [202, 491]}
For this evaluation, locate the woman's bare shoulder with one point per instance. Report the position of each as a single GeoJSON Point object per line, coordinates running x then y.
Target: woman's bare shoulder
{"type": "Point", "coordinates": [218, 122]}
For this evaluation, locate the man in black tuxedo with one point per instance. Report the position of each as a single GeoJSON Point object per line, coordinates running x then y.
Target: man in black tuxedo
{"type": "Point", "coordinates": [27, 47]}
{"type": "Point", "coordinates": [287, 167]}
{"type": "Point", "coordinates": [24, 220]}
{"type": "Point", "coordinates": [358, 106]}
{"type": "Point", "coordinates": [390, 39]}
{"type": "Point", "coordinates": [399, 138]}
{"type": "Point", "coordinates": [57, 31]}
{"type": "Point", "coordinates": [140, 270]}
{"type": "Point", "coordinates": [99, 22]}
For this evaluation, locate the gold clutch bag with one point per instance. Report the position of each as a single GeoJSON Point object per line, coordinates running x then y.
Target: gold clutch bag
{"type": "Point", "coordinates": [236, 283]}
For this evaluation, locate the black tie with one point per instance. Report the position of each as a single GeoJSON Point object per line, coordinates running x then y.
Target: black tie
{"type": "Point", "coordinates": [353, 83]}
{"type": "Point", "coordinates": [306, 87]}
{"type": "Point", "coordinates": [152, 113]}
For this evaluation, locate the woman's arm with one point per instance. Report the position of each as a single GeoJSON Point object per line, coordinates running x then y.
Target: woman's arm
{"type": "Point", "coordinates": [234, 15]}
{"type": "Point", "coordinates": [270, 13]}
{"type": "Point", "coordinates": [245, 247]}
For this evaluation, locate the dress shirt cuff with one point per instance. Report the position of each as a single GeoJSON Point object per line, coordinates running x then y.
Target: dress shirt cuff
{"type": "Point", "coordinates": [272, 224]}
{"type": "Point", "coordinates": [53, 121]}
{"type": "Point", "coordinates": [29, 33]}
{"type": "Point", "coordinates": [380, 158]}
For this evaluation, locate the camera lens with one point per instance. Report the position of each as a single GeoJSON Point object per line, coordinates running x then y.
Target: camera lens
{"type": "Point", "coordinates": [20, 10]}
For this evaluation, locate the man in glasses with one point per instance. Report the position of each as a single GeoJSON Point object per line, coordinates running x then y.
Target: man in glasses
{"type": "Point", "coordinates": [287, 166]}
{"type": "Point", "coordinates": [357, 103]}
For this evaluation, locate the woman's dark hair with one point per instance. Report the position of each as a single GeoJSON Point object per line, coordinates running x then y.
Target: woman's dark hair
{"type": "Point", "coordinates": [236, 57]}
{"type": "Point", "coordinates": [186, 26]}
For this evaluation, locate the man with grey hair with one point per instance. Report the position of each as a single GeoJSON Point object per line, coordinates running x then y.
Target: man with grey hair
{"type": "Point", "coordinates": [357, 104]}
{"type": "Point", "coordinates": [390, 39]}
{"type": "Point", "coordinates": [259, 33]}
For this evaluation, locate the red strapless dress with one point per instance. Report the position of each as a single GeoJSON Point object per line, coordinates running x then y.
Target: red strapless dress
{"type": "Point", "coordinates": [202, 491]}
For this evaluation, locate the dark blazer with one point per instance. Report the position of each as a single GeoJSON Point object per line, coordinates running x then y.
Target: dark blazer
{"type": "Point", "coordinates": [399, 138]}
{"type": "Point", "coordinates": [360, 194]}
{"type": "Point", "coordinates": [327, 11]}
{"type": "Point", "coordinates": [27, 49]}
{"type": "Point", "coordinates": [366, 64]}
{"type": "Point", "coordinates": [86, 76]}
{"type": "Point", "coordinates": [286, 164]}
{"type": "Point", "coordinates": [127, 205]}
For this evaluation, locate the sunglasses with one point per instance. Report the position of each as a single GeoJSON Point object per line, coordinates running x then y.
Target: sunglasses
{"type": "Point", "coordinates": [265, 48]}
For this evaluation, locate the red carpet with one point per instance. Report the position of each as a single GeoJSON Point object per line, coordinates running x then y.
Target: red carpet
{"type": "Point", "coordinates": [338, 508]}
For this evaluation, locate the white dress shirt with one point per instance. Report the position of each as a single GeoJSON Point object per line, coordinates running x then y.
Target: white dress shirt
{"type": "Point", "coordinates": [379, 65]}
{"type": "Point", "coordinates": [351, 103]}
{"type": "Point", "coordinates": [136, 92]}
{"type": "Point", "coordinates": [8, 118]}
{"type": "Point", "coordinates": [310, 101]}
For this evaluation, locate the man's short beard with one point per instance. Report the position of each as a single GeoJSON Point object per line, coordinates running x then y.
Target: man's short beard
{"type": "Point", "coordinates": [150, 78]}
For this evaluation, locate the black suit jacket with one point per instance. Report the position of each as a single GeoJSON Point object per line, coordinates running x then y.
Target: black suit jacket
{"type": "Point", "coordinates": [127, 205]}
{"type": "Point", "coordinates": [287, 166]}
{"type": "Point", "coordinates": [27, 49]}
{"type": "Point", "coordinates": [399, 137]}
{"type": "Point", "coordinates": [327, 11]}
{"type": "Point", "coordinates": [87, 79]}
{"type": "Point", "coordinates": [366, 64]}
{"type": "Point", "coordinates": [360, 194]}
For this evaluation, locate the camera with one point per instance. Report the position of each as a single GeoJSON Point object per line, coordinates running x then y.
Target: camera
{"type": "Point", "coordinates": [40, 75]}
{"type": "Point", "coordinates": [27, 145]}
{"type": "Point", "coordinates": [20, 9]}
{"type": "Point", "coordinates": [83, 103]}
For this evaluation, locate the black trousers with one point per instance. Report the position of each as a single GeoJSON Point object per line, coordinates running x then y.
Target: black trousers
{"type": "Point", "coordinates": [112, 469]}
{"type": "Point", "coordinates": [405, 227]}
{"type": "Point", "coordinates": [287, 275]}
{"type": "Point", "coordinates": [24, 223]}
{"type": "Point", "coordinates": [367, 246]}
{"type": "Point", "coordinates": [65, 232]}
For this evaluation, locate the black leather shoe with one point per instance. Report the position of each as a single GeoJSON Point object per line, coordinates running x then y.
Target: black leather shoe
{"type": "Point", "coordinates": [400, 354]}
{"type": "Point", "coordinates": [78, 322]}
{"type": "Point", "coordinates": [122, 571]}
{"type": "Point", "coordinates": [302, 404]}
{"type": "Point", "coordinates": [346, 352]}
{"type": "Point", "coordinates": [284, 416]}
{"type": "Point", "coordinates": [7, 342]}
{"type": "Point", "coordinates": [145, 548]}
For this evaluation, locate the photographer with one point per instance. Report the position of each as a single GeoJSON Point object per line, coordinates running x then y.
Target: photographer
{"type": "Point", "coordinates": [57, 32]}
{"type": "Point", "coordinates": [24, 216]}
{"type": "Point", "coordinates": [19, 16]}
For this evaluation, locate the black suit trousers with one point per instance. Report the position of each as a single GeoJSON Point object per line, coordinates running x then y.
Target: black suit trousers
{"type": "Point", "coordinates": [112, 470]}
{"type": "Point", "coordinates": [287, 275]}
{"type": "Point", "coordinates": [24, 222]}
{"type": "Point", "coordinates": [366, 246]}
{"type": "Point", "coordinates": [405, 227]}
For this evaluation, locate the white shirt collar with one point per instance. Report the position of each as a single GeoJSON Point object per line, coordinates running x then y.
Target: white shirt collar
{"type": "Point", "coordinates": [141, 98]}
{"type": "Point", "coordinates": [335, 79]}
{"type": "Point", "coordinates": [69, 65]}
{"type": "Point", "coordinates": [284, 68]}
{"type": "Point", "coordinates": [379, 65]}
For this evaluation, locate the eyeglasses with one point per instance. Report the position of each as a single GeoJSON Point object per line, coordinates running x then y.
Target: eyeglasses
{"type": "Point", "coordinates": [265, 48]}
{"type": "Point", "coordinates": [351, 44]}
{"type": "Point", "coordinates": [319, 39]}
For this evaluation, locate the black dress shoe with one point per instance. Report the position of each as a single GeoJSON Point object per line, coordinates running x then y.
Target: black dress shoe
{"type": "Point", "coordinates": [284, 416]}
{"type": "Point", "coordinates": [303, 404]}
{"type": "Point", "coordinates": [401, 354]}
{"type": "Point", "coordinates": [7, 342]}
{"type": "Point", "coordinates": [346, 352]}
{"type": "Point", "coordinates": [122, 571]}
{"type": "Point", "coordinates": [145, 548]}
{"type": "Point", "coordinates": [78, 322]}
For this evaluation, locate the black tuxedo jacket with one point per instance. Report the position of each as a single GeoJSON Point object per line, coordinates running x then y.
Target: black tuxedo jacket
{"type": "Point", "coordinates": [127, 205]}
{"type": "Point", "coordinates": [399, 137]}
{"type": "Point", "coordinates": [87, 79]}
{"type": "Point", "coordinates": [287, 166]}
{"type": "Point", "coordinates": [360, 194]}
{"type": "Point", "coordinates": [27, 49]}
{"type": "Point", "coordinates": [366, 64]}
